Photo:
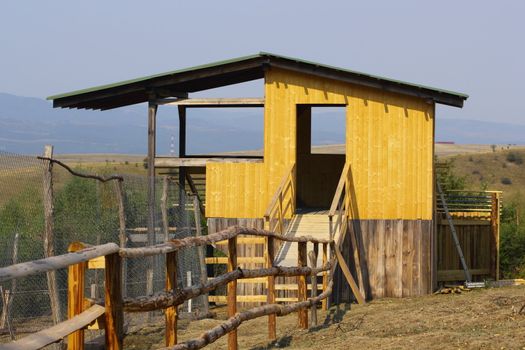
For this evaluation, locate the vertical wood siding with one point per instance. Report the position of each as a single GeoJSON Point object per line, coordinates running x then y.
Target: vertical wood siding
{"type": "Point", "coordinates": [389, 144]}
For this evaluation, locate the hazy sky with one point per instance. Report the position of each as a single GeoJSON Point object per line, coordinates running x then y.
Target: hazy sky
{"type": "Point", "coordinates": [476, 47]}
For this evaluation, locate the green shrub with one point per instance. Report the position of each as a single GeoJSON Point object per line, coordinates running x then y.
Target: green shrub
{"type": "Point", "coordinates": [506, 181]}
{"type": "Point", "coordinates": [513, 157]}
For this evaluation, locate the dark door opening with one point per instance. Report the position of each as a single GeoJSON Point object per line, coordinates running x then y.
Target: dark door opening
{"type": "Point", "coordinates": [320, 154]}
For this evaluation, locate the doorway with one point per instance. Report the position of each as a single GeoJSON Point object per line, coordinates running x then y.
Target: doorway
{"type": "Point", "coordinates": [320, 154]}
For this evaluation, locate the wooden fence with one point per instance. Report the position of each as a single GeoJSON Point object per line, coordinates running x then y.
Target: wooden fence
{"type": "Point", "coordinates": [476, 218]}
{"type": "Point", "coordinates": [110, 312]}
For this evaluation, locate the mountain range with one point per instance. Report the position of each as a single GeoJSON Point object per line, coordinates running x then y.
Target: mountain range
{"type": "Point", "coordinates": [28, 123]}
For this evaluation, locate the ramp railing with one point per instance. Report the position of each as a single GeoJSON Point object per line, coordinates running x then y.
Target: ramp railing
{"type": "Point", "coordinates": [283, 201]}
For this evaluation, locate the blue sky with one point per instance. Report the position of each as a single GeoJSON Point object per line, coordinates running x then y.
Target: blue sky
{"type": "Point", "coordinates": [476, 47]}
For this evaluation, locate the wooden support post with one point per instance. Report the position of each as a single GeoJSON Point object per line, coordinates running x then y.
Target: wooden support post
{"type": "Point", "coordinates": [171, 312]}
{"type": "Point", "coordinates": [494, 237]}
{"type": "Point", "coordinates": [324, 303]}
{"type": "Point", "coordinates": [182, 131]}
{"type": "Point", "coordinates": [119, 189]}
{"type": "Point", "coordinates": [301, 285]}
{"type": "Point", "coordinates": [114, 314]}
{"type": "Point", "coordinates": [152, 118]}
{"type": "Point", "coordinates": [232, 291]}
{"type": "Point", "coordinates": [164, 207]}
{"type": "Point", "coordinates": [313, 264]}
{"type": "Point", "coordinates": [75, 300]}
{"type": "Point", "coordinates": [270, 258]}
{"type": "Point", "coordinates": [49, 249]}
{"type": "Point", "coordinates": [201, 251]}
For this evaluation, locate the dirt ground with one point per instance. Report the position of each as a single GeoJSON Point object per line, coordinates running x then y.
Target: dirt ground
{"type": "Point", "coordinates": [479, 319]}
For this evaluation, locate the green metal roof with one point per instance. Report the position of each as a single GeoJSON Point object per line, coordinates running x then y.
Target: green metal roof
{"type": "Point", "coordinates": [145, 78]}
{"type": "Point", "coordinates": [233, 71]}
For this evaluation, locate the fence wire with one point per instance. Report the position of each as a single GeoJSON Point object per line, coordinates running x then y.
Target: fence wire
{"type": "Point", "coordinates": [85, 210]}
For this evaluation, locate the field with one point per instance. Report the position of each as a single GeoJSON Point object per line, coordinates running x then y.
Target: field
{"type": "Point", "coordinates": [503, 170]}
{"type": "Point", "coordinates": [483, 318]}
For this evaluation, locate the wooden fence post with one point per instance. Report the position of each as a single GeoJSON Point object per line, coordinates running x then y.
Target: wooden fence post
{"type": "Point", "coordinates": [119, 189]}
{"type": "Point", "coordinates": [313, 264]}
{"type": "Point", "coordinates": [113, 302]}
{"type": "Point", "coordinates": [324, 303]}
{"type": "Point", "coordinates": [49, 249]}
{"type": "Point", "coordinates": [301, 285]}
{"type": "Point", "coordinates": [494, 239]}
{"type": "Point", "coordinates": [75, 301]}
{"type": "Point", "coordinates": [171, 312]}
{"type": "Point", "coordinates": [201, 251]}
{"type": "Point", "coordinates": [164, 208]}
{"type": "Point", "coordinates": [270, 258]}
{"type": "Point", "coordinates": [232, 291]}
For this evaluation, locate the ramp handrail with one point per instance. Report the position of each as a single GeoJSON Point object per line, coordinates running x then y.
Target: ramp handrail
{"type": "Point", "coordinates": [340, 204]}
{"type": "Point", "coordinates": [276, 210]}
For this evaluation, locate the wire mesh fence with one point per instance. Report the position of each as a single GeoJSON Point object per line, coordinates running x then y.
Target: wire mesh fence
{"type": "Point", "coordinates": [88, 211]}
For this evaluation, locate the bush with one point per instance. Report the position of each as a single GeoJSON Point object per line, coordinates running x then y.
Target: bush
{"type": "Point", "coordinates": [506, 181]}
{"type": "Point", "coordinates": [513, 157]}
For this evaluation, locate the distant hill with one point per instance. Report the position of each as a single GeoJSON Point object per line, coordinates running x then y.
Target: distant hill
{"type": "Point", "coordinates": [27, 123]}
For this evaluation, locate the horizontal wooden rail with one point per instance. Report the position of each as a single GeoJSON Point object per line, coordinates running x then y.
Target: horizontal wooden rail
{"type": "Point", "coordinates": [234, 231]}
{"type": "Point", "coordinates": [166, 299]}
{"type": "Point", "coordinates": [56, 262]}
{"type": "Point", "coordinates": [234, 322]}
{"type": "Point", "coordinates": [55, 333]}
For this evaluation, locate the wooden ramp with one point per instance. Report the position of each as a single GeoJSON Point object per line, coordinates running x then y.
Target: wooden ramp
{"type": "Point", "coordinates": [314, 224]}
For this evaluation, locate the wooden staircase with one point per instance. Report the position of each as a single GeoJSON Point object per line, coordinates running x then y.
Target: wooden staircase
{"type": "Point", "coordinates": [314, 224]}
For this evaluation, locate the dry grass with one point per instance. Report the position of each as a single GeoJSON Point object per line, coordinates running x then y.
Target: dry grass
{"type": "Point", "coordinates": [489, 169]}
{"type": "Point", "coordinates": [485, 318]}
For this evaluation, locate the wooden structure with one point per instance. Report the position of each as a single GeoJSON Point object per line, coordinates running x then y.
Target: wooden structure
{"type": "Point", "coordinates": [476, 218]}
{"type": "Point", "coordinates": [378, 200]}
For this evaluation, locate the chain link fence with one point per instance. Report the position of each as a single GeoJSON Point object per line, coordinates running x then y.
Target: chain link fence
{"type": "Point", "coordinates": [85, 210]}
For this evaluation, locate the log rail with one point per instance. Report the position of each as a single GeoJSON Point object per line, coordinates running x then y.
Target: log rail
{"type": "Point", "coordinates": [80, 315]}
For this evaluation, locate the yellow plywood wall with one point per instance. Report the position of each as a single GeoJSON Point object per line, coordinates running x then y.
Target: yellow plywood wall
{"type": "Point", "coordinates": [235, 190]}
{"type": "Point", "coordinates": [389, 144]}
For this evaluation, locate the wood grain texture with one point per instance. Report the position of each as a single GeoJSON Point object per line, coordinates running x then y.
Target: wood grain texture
{"type": "Point", "coordinates": [170, 314]}
{"type": "Point", "coordinates": [396, 256]}
{"type": "Point", "coordinates": [389, 141]}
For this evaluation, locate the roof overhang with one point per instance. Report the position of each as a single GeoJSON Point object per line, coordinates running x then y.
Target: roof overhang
{"type": "Point", "coordinates": [181, 82]}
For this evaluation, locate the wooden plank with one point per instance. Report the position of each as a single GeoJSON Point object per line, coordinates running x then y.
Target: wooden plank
{"type": "Point", "coordinates": [75, 300]}
{"type": "Point", "coordinates": [458, 275]}
{"type": "Point", "coordinates": [349, 278]}
{"type": "Point", "coordinates": [240, 260]}
{"type": "Point", "coordinates": [291, 286]}
{"type": "Point", "coordinates": [170, 314]}
{"type": "Point", "coordinates": [114, 315]}
{"type": "Point", "coordinates": [324, 304]}
{"type": "Point", "coordinates": [214, 102]}
{"type": "Point", "coordinates": [55, 333]}
{"type": "Point", "coordinates": [270, 258]}
{"type": "Point", "coordinates": [245, 240]}
{"type": "Point", "coordinates": [391, 278]}
{"type": "Point", "coordinates": [97, 263]}
{"type": "Point", "coordinates": [464, 222]}
{"type": "Point", "coordinates": [174, 162]}
{"type": "Point", "coordinates": [232, 291]}
{"type": "Point", "coordinates": [250, 299]}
